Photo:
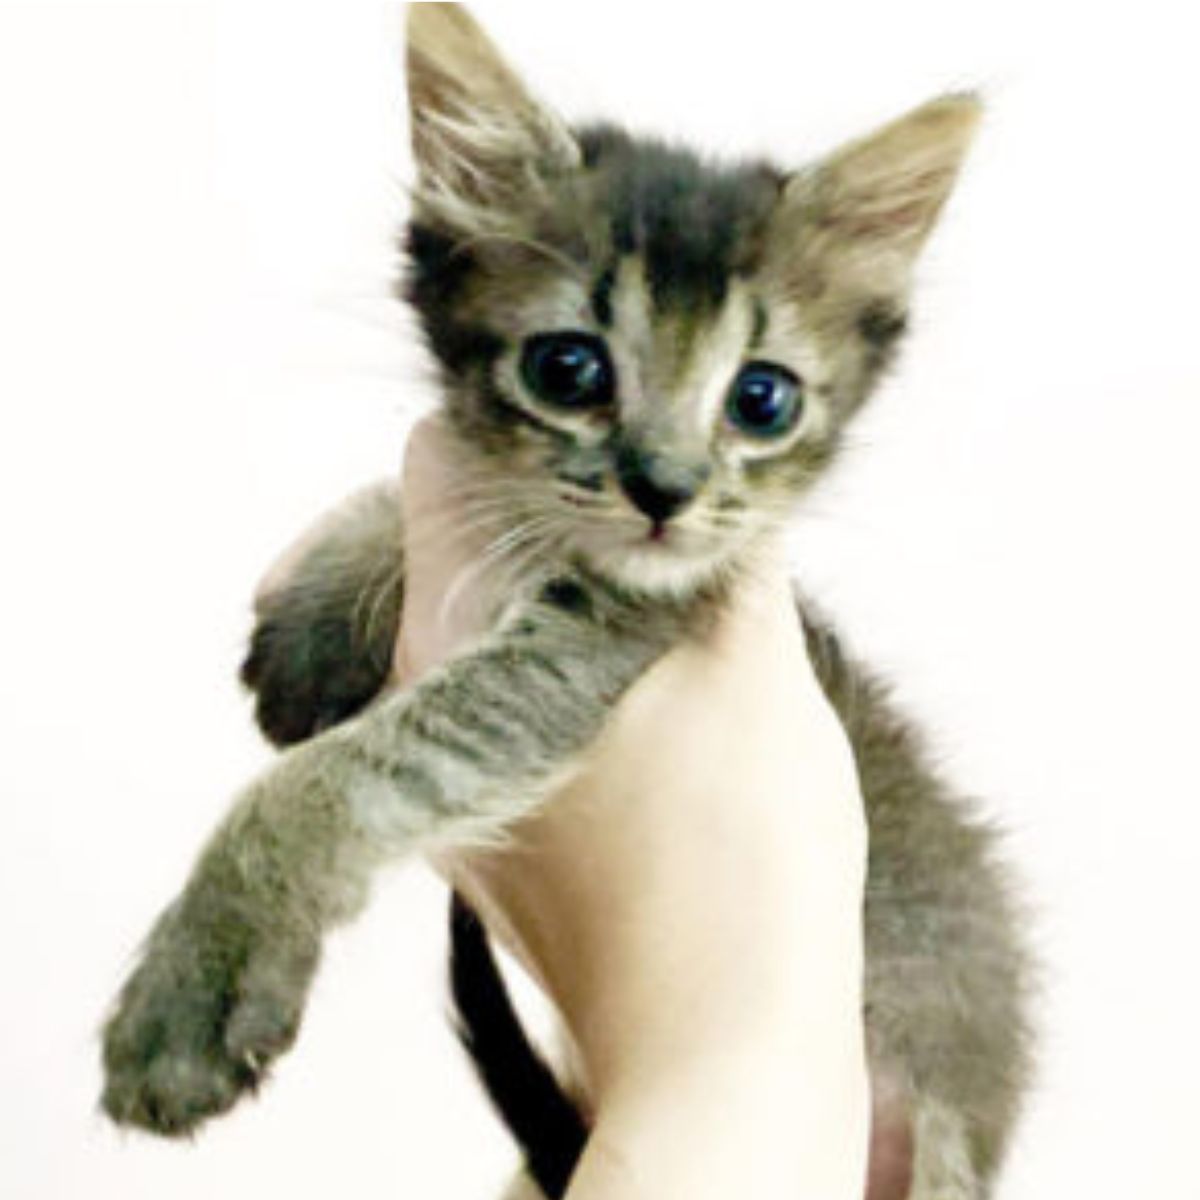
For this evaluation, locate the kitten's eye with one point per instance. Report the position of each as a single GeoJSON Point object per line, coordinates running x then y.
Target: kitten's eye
{"type": "Point", "coordinates": [568, 370]}
{"type": "Point", "coordinates": [765, 401]}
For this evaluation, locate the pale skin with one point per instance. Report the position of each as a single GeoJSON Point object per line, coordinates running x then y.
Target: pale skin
{"type": "Point", "coordinates": [692, 898]}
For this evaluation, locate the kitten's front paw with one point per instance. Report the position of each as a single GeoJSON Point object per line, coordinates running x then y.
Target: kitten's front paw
{"type": "Point", "coordinates": [212, 1003]}
{"type": "Point", "coordinates": [311, 668]}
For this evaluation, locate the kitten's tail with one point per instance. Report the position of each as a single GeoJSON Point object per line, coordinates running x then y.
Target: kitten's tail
{"type": "Point", "coordinates": [523, 1089]}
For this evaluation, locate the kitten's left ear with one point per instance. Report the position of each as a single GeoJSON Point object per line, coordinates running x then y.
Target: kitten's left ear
{"type": "Point", "coordinates": [860, 217]}
{"type": "Point", "coordinates": [481, 142]}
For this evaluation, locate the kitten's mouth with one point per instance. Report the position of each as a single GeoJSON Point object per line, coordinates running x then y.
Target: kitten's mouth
{"type": "Point", "coordinates": [661, 537]}
{"type": "Point", "coordinates": [657, 558]}
{"type": "Point", "coordinates": [667, 537]}
{"type": "Point", "coordinates": [649, 554]}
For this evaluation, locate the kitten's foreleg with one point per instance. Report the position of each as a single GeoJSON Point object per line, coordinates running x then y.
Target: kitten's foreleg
{"type": "Point", "coordinates": [326, 619]}
{"type": "Point", "coordinates": [220, 989]}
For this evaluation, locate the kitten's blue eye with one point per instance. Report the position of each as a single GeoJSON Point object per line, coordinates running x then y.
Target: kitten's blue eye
{"type": "Point", "coordinates": [568, 370]}
{"type": "Point", "coordinates": [765, 401]}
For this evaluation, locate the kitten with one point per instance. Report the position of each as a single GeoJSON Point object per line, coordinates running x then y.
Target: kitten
{"type": "Point", "coordinates": [647, 360]}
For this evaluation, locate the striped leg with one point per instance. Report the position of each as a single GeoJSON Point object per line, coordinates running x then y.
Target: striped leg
{"type": "Point", "coordinates": [221, 988]}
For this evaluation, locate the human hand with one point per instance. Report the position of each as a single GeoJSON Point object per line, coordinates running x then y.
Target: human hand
{"type": "Point", "coordinates": [692, 900]}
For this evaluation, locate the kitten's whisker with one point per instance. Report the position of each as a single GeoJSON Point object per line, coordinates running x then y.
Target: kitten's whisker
{"type": "Point", "coordinates": [544, 533]}
{"type": "Point", "coordinates": [382, 578]}
{"type": "Point", "coordinates": [473, 570]}
{"type": "Point", "coordinates": [458, 525]}
{"type": "Point", "coordinates": [475, 492]}
{"type": "Point", "coordinates": [545, 546]}
{"type": "Point", "coordinates": [389, 585]}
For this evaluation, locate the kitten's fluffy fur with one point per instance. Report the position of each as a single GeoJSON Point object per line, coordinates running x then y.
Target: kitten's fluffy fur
{"type": "Point", "coordinates": [684, 271]}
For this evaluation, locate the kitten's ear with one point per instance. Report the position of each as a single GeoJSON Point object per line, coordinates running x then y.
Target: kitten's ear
{"type": "Point", "coordinates": [867, 210]}
{"type": "Point", "coordinates": [480, 141]}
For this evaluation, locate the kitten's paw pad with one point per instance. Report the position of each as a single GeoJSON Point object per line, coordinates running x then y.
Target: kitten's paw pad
{"type": "Point", "coordinates": [198, 1024]}
{"type": "Point", "coordinates": [311, 671]}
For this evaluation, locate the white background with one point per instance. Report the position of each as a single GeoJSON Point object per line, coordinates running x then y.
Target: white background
{"type": "Point", "coordinates": [197, 354]}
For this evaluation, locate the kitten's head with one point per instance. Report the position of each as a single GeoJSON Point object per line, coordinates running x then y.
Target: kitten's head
{"type": "Point", "coordinates": [650, 357]}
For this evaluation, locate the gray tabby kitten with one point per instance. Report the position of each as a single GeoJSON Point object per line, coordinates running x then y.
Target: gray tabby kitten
{"type": "Point", "coordinates": [646, 360]}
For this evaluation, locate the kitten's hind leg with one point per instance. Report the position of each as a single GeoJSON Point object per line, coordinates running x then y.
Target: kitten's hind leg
{"type": "Point", "coordinates": [943, 1164]}
{"type": "Point", "coordinates": [326, 619]}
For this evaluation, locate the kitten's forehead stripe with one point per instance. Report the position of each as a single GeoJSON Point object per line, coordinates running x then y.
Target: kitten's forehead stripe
{"type": "Point", "coordinates": [761, 321]}
{"type": "Point", "coordinates": [881, 322]}
{"type": "Point", "coordinates": [696, 226]}
{"type": "Point", "coordinates": [601, 298]}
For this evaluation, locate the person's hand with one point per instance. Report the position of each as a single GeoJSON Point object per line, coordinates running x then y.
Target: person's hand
{"type": "Point", "coordinates": [692, 900]}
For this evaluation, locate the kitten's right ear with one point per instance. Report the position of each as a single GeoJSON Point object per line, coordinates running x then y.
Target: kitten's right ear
{"type": "Point", "coordinates": [482, 144]}
{"type": "Point", "coordinates": [858, 220]}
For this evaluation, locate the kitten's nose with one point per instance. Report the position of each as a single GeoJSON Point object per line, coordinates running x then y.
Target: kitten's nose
{"type": "Point", "coordinates": [657, 486]}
